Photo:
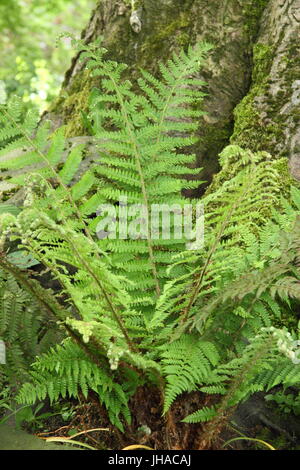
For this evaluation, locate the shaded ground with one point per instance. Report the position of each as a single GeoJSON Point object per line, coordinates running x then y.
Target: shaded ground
{"type": "Point", "coordinates": [148, 426]}
{"type": "Point", "coordinates": [254, 419]}
{"type": "Point", "coordinates": [12, 439]}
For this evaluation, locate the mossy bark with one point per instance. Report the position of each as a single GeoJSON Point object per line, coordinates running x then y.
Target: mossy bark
{"type": "Point", "coordinates": [261, 87]}
{"type": "Point", "coordinates": [268, 118]}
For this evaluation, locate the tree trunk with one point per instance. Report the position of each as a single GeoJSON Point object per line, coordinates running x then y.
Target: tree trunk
{"type": "Point", "coordinates": [268, 117]}
{"type": "Point", "coordinates": [253, 90]}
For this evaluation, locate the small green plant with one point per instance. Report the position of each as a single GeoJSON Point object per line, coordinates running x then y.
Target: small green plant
{"type": "Point", "coordinates": [31, 417]}
{"type": "Point", "coordinates": [287, 402]}
{"type": "Point", "coordinates": [5, 402]}
{"type": "Point", "coordinates": [24, 327]}
{"type": "Point", "coordinates": [65, 410]}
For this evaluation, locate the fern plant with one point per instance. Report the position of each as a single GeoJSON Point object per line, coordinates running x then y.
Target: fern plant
{"type": "Point", "coordinates": [148, 310]}
{"type": "Point", "coordinates": [25, 330]}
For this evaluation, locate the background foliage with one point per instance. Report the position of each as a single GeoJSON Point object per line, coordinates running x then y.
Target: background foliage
{"type": "Point", "coordinates": [31, 66]}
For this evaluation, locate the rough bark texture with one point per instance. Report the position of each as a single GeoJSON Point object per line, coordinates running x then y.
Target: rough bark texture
{"type": "Point", "coordinates": [165, 26]}
{"type": "Point", "coordinates": [252, 75]}
{"type": "Point", "coordinates": [268, 117]}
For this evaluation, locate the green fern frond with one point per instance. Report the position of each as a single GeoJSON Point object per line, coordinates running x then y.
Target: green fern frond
{"type": "Point", "coordinates": [65, 370]}
{"type": "Point", "coordinates": [187, 363]}
{"type": "Point", "coordinates": [201, 416]}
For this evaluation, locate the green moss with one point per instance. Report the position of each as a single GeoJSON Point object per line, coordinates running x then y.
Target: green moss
{"type": "Point", "coordinates": [177, 31]}
{"type": "Point", "coordinates": [279, 442]}
{"type": "Point", "coordinates": [286, 180]}
{"type": "Point", "coordinates": [246, 118]}
{"type": "Point", "coordinates": [259, 122]}
{"type": "Point", "coordinates": [262, 62]}
{"type": "Point", "coordinates": [135, 4]}
{"type": "Point", "coordinates": [253, 11]}
{"type": "Point", "coordinates": [73, 102]}
{"type": "Point", "coordinates": [219, 135]}
{"type": "Point", "coordinates": [252, 130]}
{"type": "Point", "coordinates": [233, 164]}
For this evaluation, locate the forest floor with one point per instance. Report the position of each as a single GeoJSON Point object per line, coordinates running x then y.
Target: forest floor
{"type": "Point", "coordinates": [14, 439]}
{"type": "Point", "coordinates": [148, 428]}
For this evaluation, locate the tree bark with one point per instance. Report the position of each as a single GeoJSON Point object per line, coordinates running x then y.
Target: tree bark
{"type": "Point", "coordinates": [268, 117]}
{"type": "Point", "coordinates": [253, 88]}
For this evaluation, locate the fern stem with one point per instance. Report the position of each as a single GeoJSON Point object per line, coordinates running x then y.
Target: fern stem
{"type": "Point", "coordinates": [111, 306]}
{"type": "Point", "coordinates": [198, 285]}
{"type": "Point", "coordinates": [142, 180]}
{"type": "Point", "coordinates": [73, 204]}
{"type": "Point", "coordinates": [217, 239]}
{"type": "Point", "coordinates": [48, 303]}
{"type": "Point", "coordinates": [215, 425]}
{"type": "Point", "coordinates": [98, 282]}
{"type": "Point", "coordinates": [55, 173]}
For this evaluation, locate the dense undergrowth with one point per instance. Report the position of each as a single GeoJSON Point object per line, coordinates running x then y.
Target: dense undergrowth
{"type": "Point", "coordinates": [139, 313]}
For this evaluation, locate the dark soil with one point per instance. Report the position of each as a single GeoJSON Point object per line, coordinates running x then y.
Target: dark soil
{"type": "Point", "coordinates": [254, 419]}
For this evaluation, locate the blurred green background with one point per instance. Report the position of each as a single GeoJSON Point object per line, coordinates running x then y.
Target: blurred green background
{"type": "Point", "coordinates": [32, 61]}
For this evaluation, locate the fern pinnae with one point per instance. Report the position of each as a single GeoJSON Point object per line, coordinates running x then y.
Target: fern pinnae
{"type": "Point", "coordinates": [98, 282]}
{"type": "Point", "coordinates": [145, 197]}
{"type": "Point", "coordinates": [60, 177]}
{"type": "Point", "coordinates": [111, 308]}
{"type": "Point", "coordinates": [223, 223]}
{"type": "Point", "coordinates": [47, 301]}
{"type": "Point", "coordinates": [136, 152]}
{"type": "Point", "coordinates": [176, 79]}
